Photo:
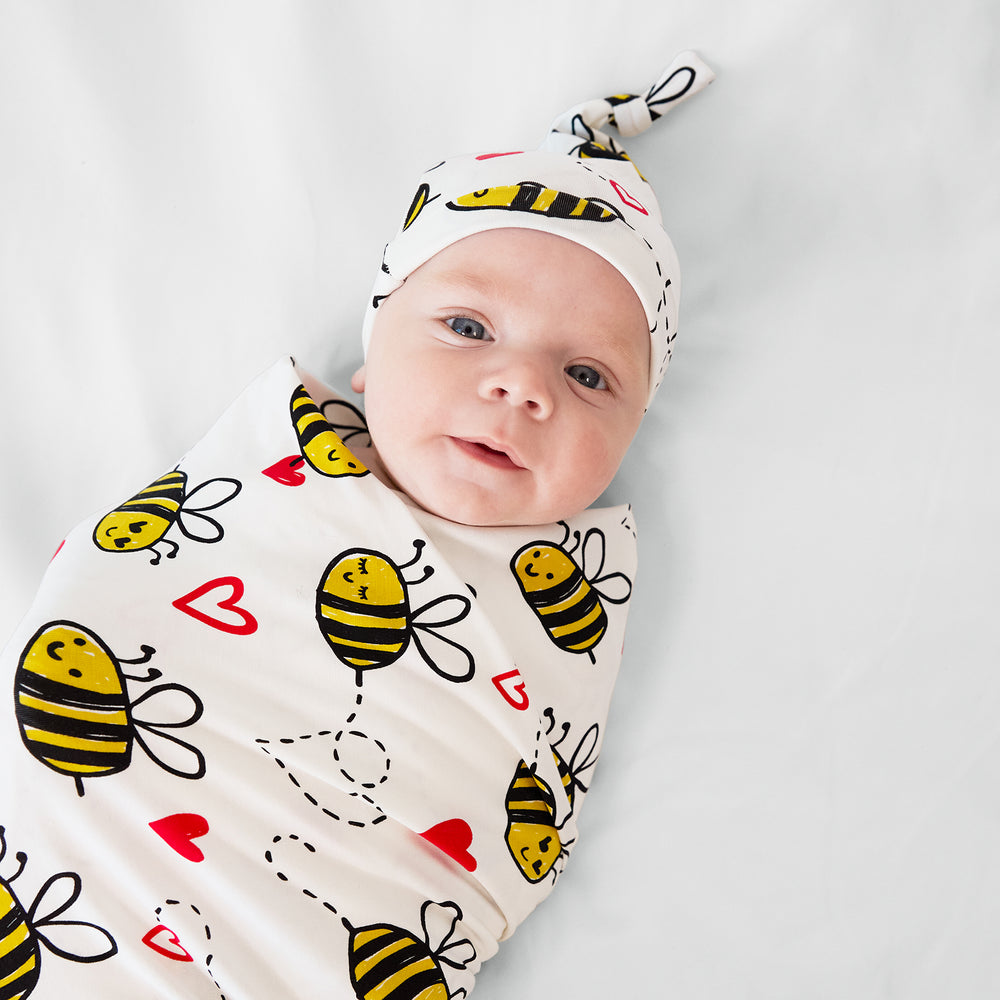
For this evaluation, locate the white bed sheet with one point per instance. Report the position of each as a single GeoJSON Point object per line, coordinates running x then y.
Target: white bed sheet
{"type": "Point", "coordinates": [800, 790]}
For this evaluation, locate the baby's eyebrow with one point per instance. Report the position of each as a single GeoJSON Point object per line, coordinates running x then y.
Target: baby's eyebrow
{"type": "Point", "coordinates": [463, 279]}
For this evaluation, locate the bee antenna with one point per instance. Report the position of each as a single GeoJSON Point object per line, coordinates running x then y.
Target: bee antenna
{"type": "Point", "coordinates": [22, 860]}
{"type": "Point", "coordinates": [347, 924]}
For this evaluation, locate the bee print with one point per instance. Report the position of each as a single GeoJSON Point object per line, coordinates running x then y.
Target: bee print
{"type": "Point", "coordinates": [420, 200]}
{"type": "Point", "coordinates": [321, 447]}
{"type": "Point", "coordinates": [363, 610]}
{"type": "Point", "coordinates": [390, 963]}
{"type": "Point", "coordinates": [74, 711]}
{"type": "Point", "coordinates": [565, 596]}
{"type": "Point", "coordinates": [22, 932]}
{"type": "Point", "coordinates": [531, 196]}
{"type": "Point", "coordinates": [532, 835]}
{"type": "Point", "coordinates": [142, 521]}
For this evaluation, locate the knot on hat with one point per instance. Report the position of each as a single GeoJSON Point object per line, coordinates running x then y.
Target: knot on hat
{"type": "Point", "coordinates": [634, 113]}
{"type": "Point", "coordinates": [632, 116]}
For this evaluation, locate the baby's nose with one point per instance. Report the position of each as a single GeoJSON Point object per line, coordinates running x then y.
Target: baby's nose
{"type": "Point", "coordinates": [520, 384]}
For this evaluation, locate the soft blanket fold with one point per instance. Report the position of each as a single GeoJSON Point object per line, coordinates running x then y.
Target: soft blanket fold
{"type": "Point", "coordinates": [276, 732]}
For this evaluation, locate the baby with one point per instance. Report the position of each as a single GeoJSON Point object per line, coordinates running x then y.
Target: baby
{"type": "Point", "coordinates": [314, 712]}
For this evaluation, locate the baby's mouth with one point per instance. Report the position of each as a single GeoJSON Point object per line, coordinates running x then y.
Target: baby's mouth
{"type": "Point", "coordinates": [490, 453]}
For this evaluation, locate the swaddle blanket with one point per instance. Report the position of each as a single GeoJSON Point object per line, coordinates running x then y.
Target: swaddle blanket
{"type": "Point", "coordinates": [276, 732]}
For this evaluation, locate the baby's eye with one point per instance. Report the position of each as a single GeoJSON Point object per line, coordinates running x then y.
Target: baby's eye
{"type": "Point", "coordinates": [470, 328]}
{"type": "Point", "coordinates": [587, 376]}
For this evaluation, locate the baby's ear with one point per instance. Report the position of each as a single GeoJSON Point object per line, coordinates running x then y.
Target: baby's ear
{"type": "Point", "coordinates": [358, 380]}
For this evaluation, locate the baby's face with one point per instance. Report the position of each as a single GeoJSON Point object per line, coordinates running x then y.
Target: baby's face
{"type": "Point", "coordinates": [506, 378]}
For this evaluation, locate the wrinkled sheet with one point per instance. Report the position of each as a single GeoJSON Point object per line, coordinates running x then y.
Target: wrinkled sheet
{"type": "Point", "coordinates": [797, 793]}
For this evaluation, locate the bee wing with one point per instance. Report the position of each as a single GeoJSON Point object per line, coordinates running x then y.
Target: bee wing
{"type": "Point", "coordinates": [78, 940]}
{"type": "Point", "coordinates": [439, 921]}
{"type": "Point", "coordinates": [215, 491]}
{"type": "Point", "coordinates": [585, 755]}
{"type": "Point", "coordinates": [450, 660]}
{"type": "Point", "coordinates": [192, 520]}
{"type": "Point", "coordinates": [346, 419]}
{"type": "Point", "coordinates": [593, 551]}
{"type": "Point", "coordinates": [616, 588]}
{"type": "Point", "coordinates": [187, 761]}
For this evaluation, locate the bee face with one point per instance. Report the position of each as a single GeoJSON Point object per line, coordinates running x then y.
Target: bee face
{"type": "Point", "coordinates": [73, 656]}
{"type": "Point", "coordinates": [366, 579]}
{"type": "Point", "coordinates": [125, 530]}
{"type": "Point", "coordinates": [535, 847]}
{"type": "Point", "coordinates": [541, 567]}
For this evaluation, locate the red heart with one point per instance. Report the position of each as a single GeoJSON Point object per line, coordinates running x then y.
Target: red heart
{"type": "Point", "coordinates": [174, 951]}
{"type": "Point", "coordinates": [248, 624]}
{"type": "Point", "coordinates": [454, 837]}
{"type": "Point", "coordinates": [179, 830]}
{"type": "Point", "coordinates": [504, 683]}
{"type": "Point", "coordinates": [286, 471]}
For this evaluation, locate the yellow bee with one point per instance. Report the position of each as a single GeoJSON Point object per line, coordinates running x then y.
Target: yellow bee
{"type": "Point", "coordinates": [531, 196]}
{"type": "Point", "coordinates": [74, 712]}
{"type": "Point", "coordinates": [321, 447]}
{"type": "Point", "coordinates": [142, 521]}
{"type": "Point", "coordinates": [390, 963]}
{"type": "Point", "coordinates": [22, 932]}
{"type": "Point", "coordinates": [363, 610]}
{"type": "Point", "coordinates": [564, 596]}
{"type": "Point", "coordinates": [533, 834]}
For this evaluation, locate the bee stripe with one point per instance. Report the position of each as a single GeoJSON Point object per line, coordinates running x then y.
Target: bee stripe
{"type": "Point", "coordinates": [419, 976]}
{"type": "Point", "coordinates": [365, 965]}
{"type": "Point", "coordinates": [566, 605]}
{"type": "Point", "coordinates": [13, 978]}
{"type": "Point", "coordinates": [47, 689]}
{"type": "Point", "coordinates": [114, 727]}
{"type": "Point", "coordinates": [367, 635]}
{"type": "Point", "coordinates": [579, 625]}
{"type": "Point", "coordinates": [389, 962]}
{"type": "Point", "coordinates": [366, 621]}
{"type": "Point", "coordinates": [13, 933]}
{"type": "Point", "coordinates": [81, 759]}
{"type": "Point", "coordinates": [583, 609]}
{"type": "Point", "coordinates": [341, 605]}
{"type": "Point", "coordinates": [51, 708]}
{"type": "Point", "coordinates": [557, 592]}
{"type": "Point", "coordinates": [375, 647]}
{"type": "Point", "coordinates": [20, 963]}
{"type": "Point", "coordinates": [64, 743]}
{"type": "Point", "coordinates": [545, 198]}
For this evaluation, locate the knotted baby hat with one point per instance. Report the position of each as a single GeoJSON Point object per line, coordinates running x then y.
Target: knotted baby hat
{"type": "Point", "coordinates": [579, 184]}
